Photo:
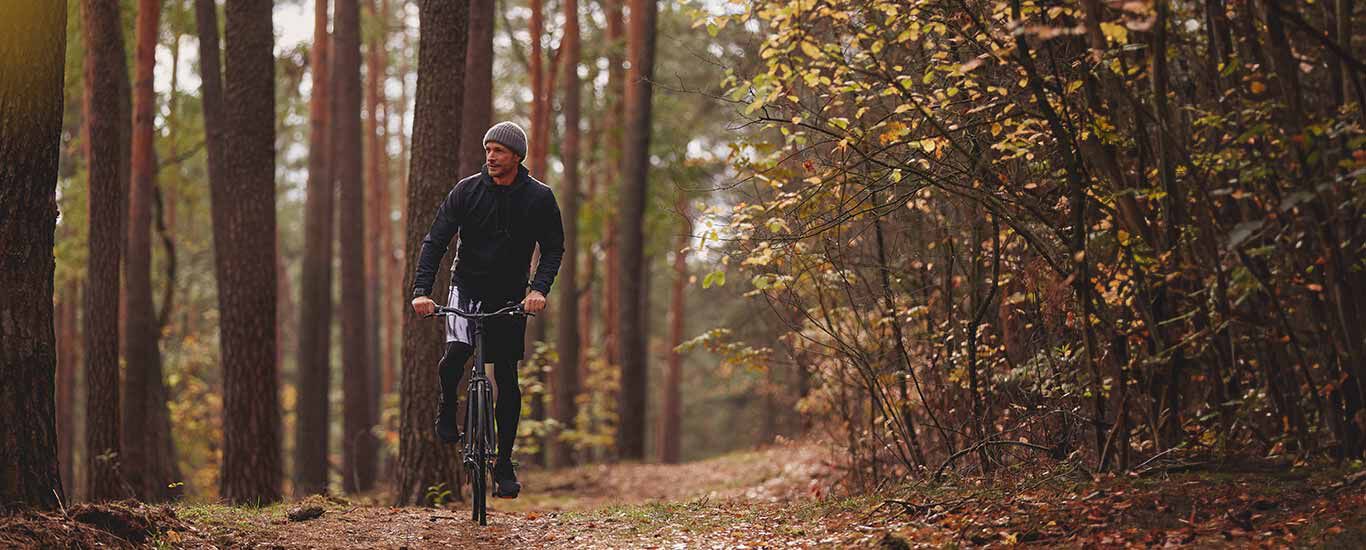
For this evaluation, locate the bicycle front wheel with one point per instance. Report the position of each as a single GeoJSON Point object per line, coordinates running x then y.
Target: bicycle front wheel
{"type": "Point", "coordinates": [479, 481]}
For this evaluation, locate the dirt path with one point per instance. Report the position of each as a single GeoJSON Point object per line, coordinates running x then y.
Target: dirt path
{"type": "Point", "coordinates": [724, 502]}
{"type": "Point", "coordinates": [774, 498]}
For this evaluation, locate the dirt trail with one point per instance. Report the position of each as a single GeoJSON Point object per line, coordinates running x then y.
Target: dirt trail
{"type": "Point", "coordinates": [721, 502]}
{"type": "Point", "coordinates": [775, 498]}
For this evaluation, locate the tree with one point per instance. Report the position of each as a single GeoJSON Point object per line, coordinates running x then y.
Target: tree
{"type": "Point", "coordinates": [478, 110]}
{"type": "Point", "coordinates": [670, 403]}
{"type": "Point", "coordinates": [358, 446]}
{"type": "Point", "coordinates": [33, 43]}
{"type": "Point", "coordinates": [145, 433]}
{"type": "Point", "coordinates": [68, 356]}
{"type": "Point", "coordinates": [631, 260]}
{"type": "Point", "coordinates": [104, 63]}
{"type": "Point", "coordinates": [315, 321]}
{"type": "Point", "coordinates": [567, 374]}
{"type": "Point", "coordinates": [244, 259]}
{"type": "Point", "coordinates": [423, 462]}
{"type": "Point", "coordinates": [376, 202]}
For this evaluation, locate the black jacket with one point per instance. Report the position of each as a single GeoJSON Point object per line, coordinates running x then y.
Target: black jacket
{"type": "Point", "coordinates": [499, 226]}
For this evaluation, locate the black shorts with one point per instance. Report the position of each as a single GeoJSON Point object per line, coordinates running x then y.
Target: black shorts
{"type": "Point", "coordinates": [504, 335]}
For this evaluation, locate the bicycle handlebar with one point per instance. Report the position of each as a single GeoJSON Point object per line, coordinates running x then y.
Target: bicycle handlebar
{"type": "Point", "coordinates": [512, 310]}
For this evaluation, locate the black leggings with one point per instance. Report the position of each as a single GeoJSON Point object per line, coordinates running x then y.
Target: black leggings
{"type": "Point", "coordinates": [508, 409]}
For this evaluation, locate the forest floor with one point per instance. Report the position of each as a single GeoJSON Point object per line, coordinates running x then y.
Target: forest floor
{"type": "Point", "coordinates": [775, 497]}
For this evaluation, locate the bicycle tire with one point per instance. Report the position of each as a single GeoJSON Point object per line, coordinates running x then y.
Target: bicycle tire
{"type": "Point", "coordinates": [480, 512]}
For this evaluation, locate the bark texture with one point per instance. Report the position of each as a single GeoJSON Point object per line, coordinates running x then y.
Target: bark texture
{"type": "Point", "coordinates": [244, 244]}
{"type": "Point", "coordinates": [423, 462]}
{"type": "Point", "coordinates": [104, 62]}
{"type": "Point", "coordinates": [33, 45]}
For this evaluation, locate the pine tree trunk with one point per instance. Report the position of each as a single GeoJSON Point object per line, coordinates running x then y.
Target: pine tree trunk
{"type": "Point", "coordinates": [33, 43]}
{"type": "Point", "coordinates": [148, 470]}
{"type": "Point", "coordinates": [671, 405]}
{"type": "Point", "coordinates": [244, 241]}
{"type": "Point", "coordinates": [376, 189]}
{"type": "Point", "coordinates": [635, 170]}
{"type": "Point", "coordinates": [478, 109]}
{"type": "Point", "coordinates": [616, 106]}
{"type": "Point", "coordinates": [104, 62]}
{"type": "Point", "coordinates": [567, 374]}
{"type": "Point", "coordinates": [423, 463]}
{"type": "Point", "coordinates": [68, 355]}
{"type": "Point", "coordinates": [315, 335]}
{"type": "Point", "coordinates": [358, 447]}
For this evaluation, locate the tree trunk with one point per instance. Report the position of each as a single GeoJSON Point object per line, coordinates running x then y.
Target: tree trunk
{"type": "Point", "coordinates": [671, 405]}
{"type": "Point", "coordinates": [376, 198]}
{"type": "Point", "coordinates": [244, 260]}
{"type": "Point", "coordinates": [616, 101]}
{"type": "Point", "coordinates": [423, 462]}
{"type": "Point", "coordinates": [635, 170]}
{"type": "Point", "coordinates": [68, 355]}
{"type": "Point", "coordinates": [104, 62]}
{"type": "Point", "coordinates": [478, 109]}
{"type": "Point", "coordinates": [146, 438]}
{"type": "Point", "coordinates": [567, 326]}
{"type": "Point", "coordinates": [315, 335]}
{"type": "Point", "coordinates": [358, 447]}
{"type": "Point", "coordinates": [33, 43]}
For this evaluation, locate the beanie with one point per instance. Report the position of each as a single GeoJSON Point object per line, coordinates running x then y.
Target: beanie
{"type": "Point", "coordinates": [510, 135]}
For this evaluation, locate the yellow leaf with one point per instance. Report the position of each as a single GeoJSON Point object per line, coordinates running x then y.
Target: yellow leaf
{"type": "Point", "coordinates": [1116, 32]}
{"type": "Point", "coordinates": [810, 50]}
{"type": "Point", "coordinates": [995, 130]}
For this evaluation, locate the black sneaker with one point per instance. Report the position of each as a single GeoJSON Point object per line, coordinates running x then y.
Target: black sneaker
{"type": "Point", "coordinates": [505, 483]}
{"type": "Point", "coordinates": [446, 429]}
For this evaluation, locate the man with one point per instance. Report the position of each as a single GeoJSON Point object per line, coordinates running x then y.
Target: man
{"type": "Point", "coordinates": [500, 214]}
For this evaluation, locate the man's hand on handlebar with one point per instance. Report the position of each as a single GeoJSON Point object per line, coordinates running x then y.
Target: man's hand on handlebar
{"type": "Point", "coordinates": [534, 302]}
{"type": "Point", "coordinates": [423, 306]}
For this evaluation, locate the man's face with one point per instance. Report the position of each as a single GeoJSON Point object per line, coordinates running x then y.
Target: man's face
{"type": "Point", "coordinates": [501, 160]}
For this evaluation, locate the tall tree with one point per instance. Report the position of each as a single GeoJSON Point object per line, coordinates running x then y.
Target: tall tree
{"type": "Point", "coordinates": [358, 446]}
{"type": "Point", "coordinates": [376, 199]}
{"type": "Point", "coordinates": [671, 413]}
{"type": "Point", "coordinates": [244, 258]}
{"type": "Point", "coordinates": [104, 63]}
{"type": "Point", "coordinates": [640, 34]}
{"type": "Point", "coordinates": [567, 375]}
{"type": "Point", "coordinates": [149, 471]}
{"type": "Point", "coordinates": [478, 110]}
{"type": "Point", "coordinates": [315, 321]}
{"type": "Point", "coordinates": [423, 462]}
{"type": "Point", "coordinates": [33, 43]}
{"type": "Point", "coordinates": [616, 107]}
{"type": "Point", "coordinates": [68, 356]}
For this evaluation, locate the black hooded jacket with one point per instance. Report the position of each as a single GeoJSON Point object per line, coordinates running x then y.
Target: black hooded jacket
{"type": "Point", "coordinates": [499, 226]}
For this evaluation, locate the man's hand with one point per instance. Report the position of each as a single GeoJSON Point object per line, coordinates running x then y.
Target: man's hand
{"type": "Point", "coordinates": [534, 302]}
{"type": "Point", "coordinates": [424, 306]}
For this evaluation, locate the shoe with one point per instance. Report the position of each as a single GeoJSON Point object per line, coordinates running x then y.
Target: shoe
{"type": "Point", "coordinates": [446, 429]}
{"type": "Point", "coordinates": [505, 483]}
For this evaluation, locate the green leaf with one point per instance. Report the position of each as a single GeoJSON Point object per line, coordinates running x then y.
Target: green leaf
{"type": "Point", "coordinates": [717, 278]}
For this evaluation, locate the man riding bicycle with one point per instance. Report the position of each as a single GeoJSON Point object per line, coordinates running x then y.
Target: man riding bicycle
{"type": "Point", "coordinates": [500, 214]}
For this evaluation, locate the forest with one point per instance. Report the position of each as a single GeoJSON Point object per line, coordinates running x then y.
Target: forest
{"type": "Point", "coordinates": [892, 273]}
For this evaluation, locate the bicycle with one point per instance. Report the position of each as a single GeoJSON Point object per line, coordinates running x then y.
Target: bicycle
{"type": "Point", "coordinates": [479, 433]}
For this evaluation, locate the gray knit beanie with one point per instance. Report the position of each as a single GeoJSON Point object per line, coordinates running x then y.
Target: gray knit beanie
{"type": "Point", "coordinates": [510, 135]}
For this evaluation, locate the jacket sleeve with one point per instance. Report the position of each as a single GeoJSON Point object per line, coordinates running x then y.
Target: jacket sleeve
{"type": "Point", "coordinates": [551, 239]}
{"type": "Point", "coordinates": [446, 224]}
